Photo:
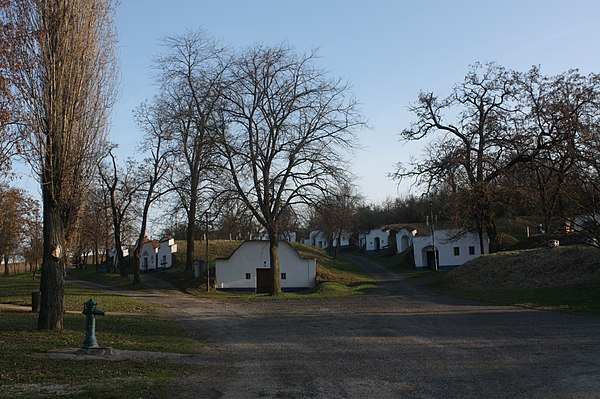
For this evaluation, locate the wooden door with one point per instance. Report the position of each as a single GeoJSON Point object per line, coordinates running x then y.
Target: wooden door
{"type": "Point", "coordinates": [263, 281]}
{"type": "Point", "coordinates": [432, 257]}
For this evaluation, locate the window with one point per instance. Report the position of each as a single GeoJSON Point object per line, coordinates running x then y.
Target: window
{"type": "Point", "coordinates": [248, 276]}
{"type": "Point", "coordinates": [471, 250]}
{"type": "Point", "coordinates": [283, 276]}
{"type": "Point", "coordinates": [456, 251]}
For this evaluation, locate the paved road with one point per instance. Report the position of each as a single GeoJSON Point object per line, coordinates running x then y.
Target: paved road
{"type": "Point", "coordinates": [403, 342]}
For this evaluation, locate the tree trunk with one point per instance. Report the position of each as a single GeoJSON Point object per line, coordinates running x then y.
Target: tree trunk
{"type": "Point", "coordinates": [136, 264]}
{"type": "Point", "coordinates": [339, 243]}
{"type": "Point", "coordinates": [6, 272]}
{"type": "Point", "coordinates": [120, 259]}
{"type": "Point", "coordinates": [52, 285]}
{"type": "Point", "coordinates": [191, 230]}
{"type": "Point", "coordinates": [274, 258]}
{"type": "Point", "coordinates": [138, 251]}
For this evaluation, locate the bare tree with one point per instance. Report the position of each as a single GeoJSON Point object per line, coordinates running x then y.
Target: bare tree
{"type": "Point", "coordinates": [32, 241]}
{"type": "Point", "coordinates": [155, 122]}
{"type": "Point", "coordinates": [122, 187]}
{"type": "Point", "coordinates": [9, 79]}
{"type": "Point", "coordinates": [560, 111]}
{"type": "Point", "coordinates": [336, 214]}
{"type": "Point", "coordinates": [16, 208]}
{"type": "Point", "coordinates": [476, 149]}
{"type": "Point", "coordinates": [66, 88]}
{"type": "Point", "coordinates": [97, 227]}
{"type": "Point", "coordinates": [190, 75]}
{"type": "Point", "coordinates": [284, 136]}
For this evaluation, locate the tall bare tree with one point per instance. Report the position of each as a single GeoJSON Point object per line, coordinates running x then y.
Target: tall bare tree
{"type": "Point", "coordinates": [190, 77]}
{"type": "Point", "coordinates": [122, 187]}
{"type": "Point", "coordinates": [66, 88]}
{"type": "Point", "coordinates": [9, 106]}
{"type": "Point", "coordinates": [561, 111]}
{"type": "Point", "coordinates": [477, 143]}
{"type": "Point", "coordinates": [284, 136]}
{"type": "Point", "coordinates": [154, 120]}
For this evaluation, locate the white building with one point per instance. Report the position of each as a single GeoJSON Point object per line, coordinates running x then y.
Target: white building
{"type": "Point", "coordinates": [112, 255]}
{"type": "Point", "coordinates": [404, 238]}
{"type": "Point", "coordinates": [375, 240]}
{"type": "Point", "coordinates": [318, 238]}
{"type": "Point", "coordinates": [157, 254]}
{"type": "Point", "coordinates": [166, 249]}
{"type": "Point", "coordinates": [453, 249]}
{"type": "Point", "coordinates": [248, 268]}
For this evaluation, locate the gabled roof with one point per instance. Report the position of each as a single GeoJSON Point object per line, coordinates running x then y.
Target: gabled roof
{"type": "Point", "coordinates": [155, 243]}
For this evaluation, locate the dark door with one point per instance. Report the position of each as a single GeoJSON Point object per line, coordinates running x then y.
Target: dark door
{"type": "Point", "coordinates": [377, 244]}
{"type": "Point", "coordinates": [431, 259]}
{"type": "Point", "coordinates": [263, 281]}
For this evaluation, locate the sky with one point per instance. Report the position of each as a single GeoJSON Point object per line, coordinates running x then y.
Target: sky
{"type": "Point", "coordinates": [388, 51]}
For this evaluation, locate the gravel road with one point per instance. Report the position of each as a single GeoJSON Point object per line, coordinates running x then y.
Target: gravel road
{"type": "Point", "coordinates": [402, 342]}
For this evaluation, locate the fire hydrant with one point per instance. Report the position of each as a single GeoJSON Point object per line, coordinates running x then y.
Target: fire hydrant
{"type": "Point", "coordinates": [90, 311]}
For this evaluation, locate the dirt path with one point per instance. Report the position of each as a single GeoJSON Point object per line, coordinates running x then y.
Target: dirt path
{"type": "Point", "coordinates": [402, 342]}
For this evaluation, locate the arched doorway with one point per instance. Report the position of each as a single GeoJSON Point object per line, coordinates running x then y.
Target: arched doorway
{"type": "Point", "coordinates": [377, 244]}
{"type": "Point", "coordinates": [403, 243]}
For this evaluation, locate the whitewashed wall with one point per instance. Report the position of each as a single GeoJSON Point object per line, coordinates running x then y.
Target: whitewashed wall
{"type": "Point", "coordinates": [148, 253]}
{"type": "Point", "coordinates": [165, 253]}
{"type": "Point", "coordinates": [404, 239]}
{"type": "Point", "coordinates": [369, 240]}
{"type": "Point", "coordinates": [445, 245]}
{"type": "Point", "coordinates": [252, 255]}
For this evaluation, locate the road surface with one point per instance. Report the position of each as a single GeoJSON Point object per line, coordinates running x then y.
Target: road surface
{"type": "Point", "coordinates": [401, 342]}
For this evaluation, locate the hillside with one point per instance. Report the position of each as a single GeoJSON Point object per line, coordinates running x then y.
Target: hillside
{"type": "Point", "coordinates": [540, 267]}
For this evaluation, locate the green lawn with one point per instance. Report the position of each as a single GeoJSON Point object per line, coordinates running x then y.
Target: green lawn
{"type": "Point", "coordinates": [16, 290]}
{"type": "Point", "coordinates": [140, 329]}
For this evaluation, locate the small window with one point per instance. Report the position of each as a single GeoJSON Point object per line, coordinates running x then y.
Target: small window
{"type": "Point", "coordinates": [471, 250]}
{"type": "Point", "coordinates": [456, 251]}
{"type": "Point", "coordinates": [283, 276]}
{"type": "Point", "coordinates": [248, 276]}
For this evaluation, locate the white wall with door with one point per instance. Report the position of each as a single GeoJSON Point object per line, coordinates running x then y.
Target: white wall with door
{"type": "Point", "coordinates": [239, 271]}
{"type": "Point", "coordinates": [453, 249]}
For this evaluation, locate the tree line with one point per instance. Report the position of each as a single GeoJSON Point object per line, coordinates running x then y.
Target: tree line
{"type": "Point", "coordinates": [505, 142]}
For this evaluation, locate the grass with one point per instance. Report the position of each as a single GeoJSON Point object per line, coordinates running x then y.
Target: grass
{"type": "Point", "coordinates": [572, 298]}
{"type": "Point", "coordinates": [140, 329]}
{"type": "Point", "coordinates": [16, 289]}
{"type": "Point", "coordinates": [562, 279]}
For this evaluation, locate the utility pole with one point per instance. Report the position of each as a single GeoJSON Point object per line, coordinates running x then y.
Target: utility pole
{"type": "Point", "coordinates": [435, 257]}
{"type": "Point", "coordinates": [206, 262]}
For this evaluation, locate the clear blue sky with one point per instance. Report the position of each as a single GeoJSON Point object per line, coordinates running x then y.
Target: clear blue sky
{"type": "Point", "coordinates": [388, 50]}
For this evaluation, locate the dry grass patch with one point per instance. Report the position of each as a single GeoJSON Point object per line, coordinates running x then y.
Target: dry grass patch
{"type": "Point", "coordinates": [541, 267]}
